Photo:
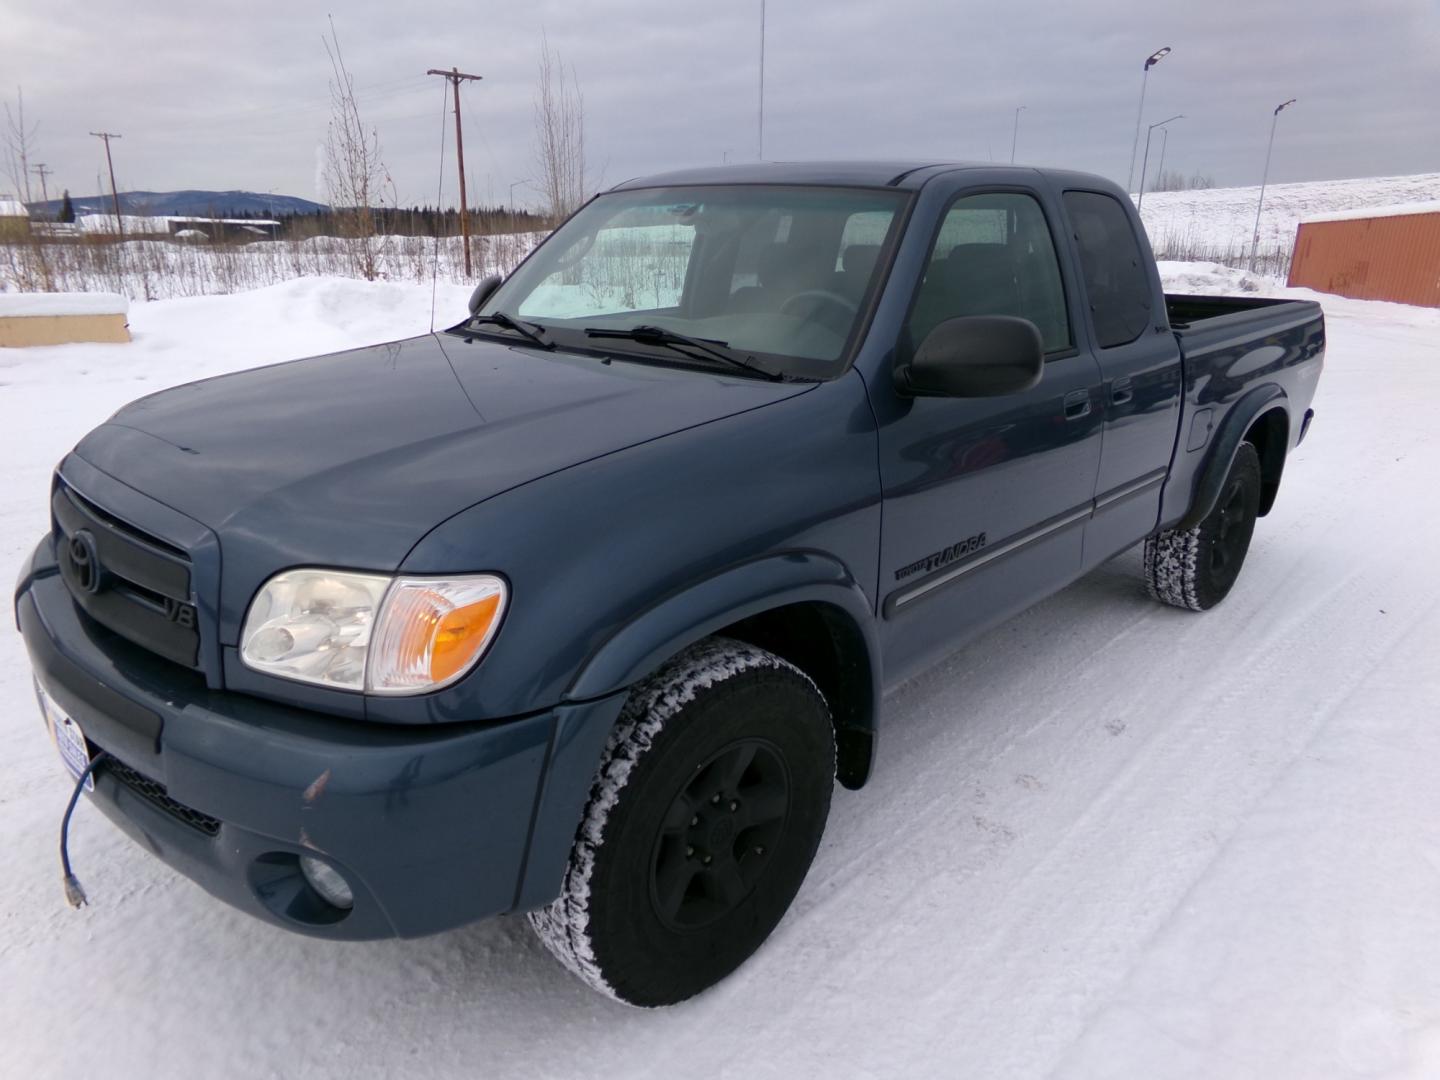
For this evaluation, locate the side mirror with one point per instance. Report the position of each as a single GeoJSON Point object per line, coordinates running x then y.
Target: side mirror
{"type": "Point", "coordinates": [482, 292]}
{"type": "Point", "coordinates": [975, 356]}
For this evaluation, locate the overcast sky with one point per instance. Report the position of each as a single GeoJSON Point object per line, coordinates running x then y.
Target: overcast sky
{"type": "Point", "coordinates": [238, 99]}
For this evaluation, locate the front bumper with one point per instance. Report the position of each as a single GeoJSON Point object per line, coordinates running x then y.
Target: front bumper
{"type": "Point", "coordinates": [433, 827]}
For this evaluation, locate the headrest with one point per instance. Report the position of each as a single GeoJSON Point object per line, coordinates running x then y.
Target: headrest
{"type": "Point", "coordinates": [979, 279]}
{"type": "Point", "coordinates": [860, 259]}
{"type": "Point", "coordinates": [790, 265]}
{"type": "Point", "coordinates": [981, 258]}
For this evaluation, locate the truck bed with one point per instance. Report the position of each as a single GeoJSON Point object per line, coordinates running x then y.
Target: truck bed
{"type": "Point", "coordinates": [1229, 347]}
{"type": "Point", "coordinates": [1186, 310]}
{"type": "Point", "coordinates": [1206, 325]}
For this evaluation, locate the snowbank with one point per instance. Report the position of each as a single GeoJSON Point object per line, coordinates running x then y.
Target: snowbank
{"type": "Point", "coordinates": [31, 304]}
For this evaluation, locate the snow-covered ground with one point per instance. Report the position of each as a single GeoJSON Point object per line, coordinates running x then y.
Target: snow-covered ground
{"type": "Point", "coordinates": [1215, 222]}
{"type": "Point", "coordinates": [1110, 839]}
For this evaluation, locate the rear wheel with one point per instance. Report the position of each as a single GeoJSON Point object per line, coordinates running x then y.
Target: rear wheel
{"type": "Point", "coordinates": [702, 823]}
{"type": "Point", "coordinates": [1197, 568]}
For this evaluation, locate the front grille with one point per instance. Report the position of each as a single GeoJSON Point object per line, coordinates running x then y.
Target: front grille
{"type": "Point", "coordinates": [124, 578]}
{"type": "Point", "coordinates": [154, 792]}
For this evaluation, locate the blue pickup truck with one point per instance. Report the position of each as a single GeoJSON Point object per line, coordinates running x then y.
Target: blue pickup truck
{"type": "Point", "coordinates": [581, 607]}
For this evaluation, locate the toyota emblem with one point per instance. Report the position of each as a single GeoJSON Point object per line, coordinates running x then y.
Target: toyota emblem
{"type": "Point", "coordinates": [85, 571]}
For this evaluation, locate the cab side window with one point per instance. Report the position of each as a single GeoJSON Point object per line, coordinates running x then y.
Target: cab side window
{"type": "Point", "coordinates": [1112, 266]}
{"type": "Point", "coordinates": [994, 256]}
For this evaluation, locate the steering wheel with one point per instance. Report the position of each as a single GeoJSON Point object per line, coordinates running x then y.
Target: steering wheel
{"type": "Point", "coordinates": [823, 298]}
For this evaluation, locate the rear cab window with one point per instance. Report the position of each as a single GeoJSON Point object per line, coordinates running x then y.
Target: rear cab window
{"type": "Point", "coordinates": [1112, 266]}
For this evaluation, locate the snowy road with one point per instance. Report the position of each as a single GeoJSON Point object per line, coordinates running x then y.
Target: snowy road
{"type": "Point", "coordinates": [1110, 839]}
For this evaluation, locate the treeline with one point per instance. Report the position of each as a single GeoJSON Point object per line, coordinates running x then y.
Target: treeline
{"type": "Point", "coordinates": [405, 221]}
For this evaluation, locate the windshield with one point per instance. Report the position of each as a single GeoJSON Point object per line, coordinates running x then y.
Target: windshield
{"type": "Point", "coordinates": [776, 274]}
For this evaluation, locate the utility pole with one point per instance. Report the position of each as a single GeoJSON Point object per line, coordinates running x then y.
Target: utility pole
{"type": "Point", "coordinates": [455, 77]}
{"type": "Point", "coordinates": [42, 170]}
{"type": "Point", "coordinates": [1265, 176]}
{"type": "Point", "coordinates": [1015, 133]}
{"type": "Point", "coordinates": [114, 195]}
{"type": "Point", "coordinates": [761, 119]}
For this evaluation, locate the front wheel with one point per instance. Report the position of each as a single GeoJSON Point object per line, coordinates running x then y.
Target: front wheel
{"type": "Point", "coordinates": [702, 822]}
{"type": "Point", "coordinates": [1196, 568]}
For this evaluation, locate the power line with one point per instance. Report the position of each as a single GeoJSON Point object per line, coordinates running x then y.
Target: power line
{"type": "Point", "coordinates": [287, 117]}
{"type": "Point", "coordinates": [455, 77]}
{"type": "Point", "coordinates": [491, 154]}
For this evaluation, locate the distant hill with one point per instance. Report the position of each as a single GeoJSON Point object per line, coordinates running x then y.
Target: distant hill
{"type": "Point", "coordinates": [185, 204]}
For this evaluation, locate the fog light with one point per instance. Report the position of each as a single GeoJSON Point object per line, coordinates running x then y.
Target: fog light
{"type": "Point", "coordinates": [328, 882]}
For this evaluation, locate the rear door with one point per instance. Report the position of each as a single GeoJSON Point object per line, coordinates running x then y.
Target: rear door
{"type": "Point", "coordinates": [1140, 361]}
{"type": "Point", "coordinates": [986, 498]}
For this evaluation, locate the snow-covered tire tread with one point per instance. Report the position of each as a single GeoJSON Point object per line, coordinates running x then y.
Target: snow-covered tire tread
{"type": "Point", "coordinates": [563, 926]}
{"type": "Point", "coordinates": [1171, 558]}
{"type": "Point", "coordinates": [1177, 563]}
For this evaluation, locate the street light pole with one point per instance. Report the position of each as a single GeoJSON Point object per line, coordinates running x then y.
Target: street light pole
{"type": "Point", "coordinates": [1264, 177]}
{"type": "Point", "coordinates": [1150, 61]}
{"type": "Point", "coordinates": [1164, 145]}
{"type": "Point", "coordinates": [1140, 202]}
{"type": "Point", "coordinates": [1015, 133]}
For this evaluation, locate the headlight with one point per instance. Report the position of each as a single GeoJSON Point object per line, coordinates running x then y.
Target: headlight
{"type": "Point", "coordinates": [402, 635]}
{"type": "Point", "coordinates": [313, 626]}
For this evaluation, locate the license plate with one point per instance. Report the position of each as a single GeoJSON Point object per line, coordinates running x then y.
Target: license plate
{"type": "Point", "coordinates": [69, 739]}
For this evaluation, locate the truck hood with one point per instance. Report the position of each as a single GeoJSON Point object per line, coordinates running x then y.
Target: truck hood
{"type": "Point", "coordinates": [349, 459]}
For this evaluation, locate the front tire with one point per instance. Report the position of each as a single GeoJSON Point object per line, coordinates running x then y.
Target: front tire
{"type": "Point", "coordinates": [703, 820]}
{"type": "Point", "coordinates": [1197, 568]}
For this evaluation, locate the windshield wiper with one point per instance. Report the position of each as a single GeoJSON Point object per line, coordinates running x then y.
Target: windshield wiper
{"type": "Point", "coordinates": [505, 322]}
{"type": "Point", "coordinates": [659, 335]}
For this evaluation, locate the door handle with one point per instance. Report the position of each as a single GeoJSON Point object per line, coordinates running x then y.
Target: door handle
{"type": "Point", "coordinates": [1121, 391]}
{"type": "Point", "coordinates": [1077, 404]}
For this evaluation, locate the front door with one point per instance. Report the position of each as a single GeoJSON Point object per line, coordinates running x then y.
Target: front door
{"type": "Point", "coordinates": [986, 499]}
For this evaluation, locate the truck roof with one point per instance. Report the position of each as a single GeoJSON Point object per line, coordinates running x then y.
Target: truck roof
{"type": "Point", "coordinates": [906, 175]}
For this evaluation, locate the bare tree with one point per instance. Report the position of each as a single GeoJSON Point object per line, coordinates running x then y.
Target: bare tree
{"type": "Point", "coordinates": [1175, 180]}
{"type": "Point", "coordinates": [559, 134]}
{"type": "Point", "coordinates": [356, 180]}
{"type": "Point", "coordinates": [19, 140]}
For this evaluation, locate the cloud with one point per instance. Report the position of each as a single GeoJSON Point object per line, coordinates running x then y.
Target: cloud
{"type": "Point", "coordinates": [208, 99]}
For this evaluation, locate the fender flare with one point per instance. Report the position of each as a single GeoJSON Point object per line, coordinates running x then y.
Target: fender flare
{"type": "Point", "coordinates": [1226, 445]}
{"type": "Point", "coordinates": [752, 588]}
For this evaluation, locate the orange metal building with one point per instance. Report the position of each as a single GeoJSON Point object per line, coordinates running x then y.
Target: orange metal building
{"type": "Point", "coordinates": [1392, 255]}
